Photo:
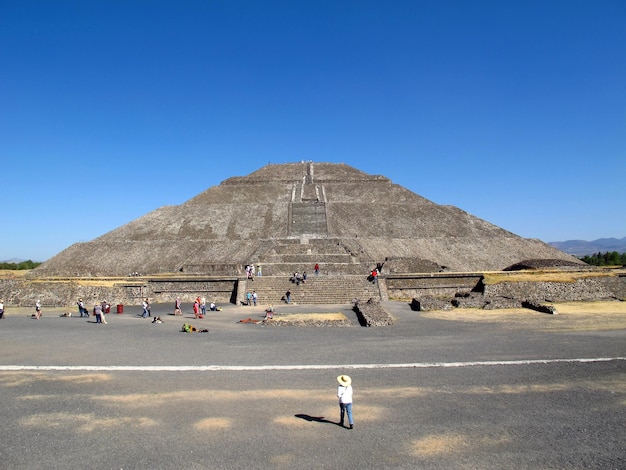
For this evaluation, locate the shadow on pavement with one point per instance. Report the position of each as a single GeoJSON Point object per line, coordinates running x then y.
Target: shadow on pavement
{"type": "Point", "coordinates": [317, 419]}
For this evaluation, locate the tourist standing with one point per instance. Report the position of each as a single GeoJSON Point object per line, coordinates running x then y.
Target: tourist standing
{"type": "Point", "coordinates": [254, 298]}
{"type": "Point", "coordinates": [1, 308]}
{"type": "Point", "coordinates": [344, 393]}
{"type": "Point", "coordinates": [288, 296]}
{"type": "Point", "coordinates": [38, 311]}
{"type": "Point", "coordinates": [97, 311]}
{"type": "Point", "coordinates": [144, 304]}
{"type": "Point", "coordinates": [316, 268]}
{"type": "Point", "coordinates": [203, 306]}
{"type": "Point", "coordinates": [177, 307]}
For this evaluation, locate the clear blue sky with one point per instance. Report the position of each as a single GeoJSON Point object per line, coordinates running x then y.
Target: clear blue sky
{"type": "Point", "coordinates": [514, 111]}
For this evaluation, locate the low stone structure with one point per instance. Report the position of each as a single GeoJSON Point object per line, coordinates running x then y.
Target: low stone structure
{"type": "Point", "coordinates": [372, 313]}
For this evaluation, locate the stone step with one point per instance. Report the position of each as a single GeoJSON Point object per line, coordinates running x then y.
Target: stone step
{"type": "Point", "coordinates": [310, 258]}
{"type": "Point", "coordinates": [334, 269]}
{"type": "Point", "coordinates": [316, 290]}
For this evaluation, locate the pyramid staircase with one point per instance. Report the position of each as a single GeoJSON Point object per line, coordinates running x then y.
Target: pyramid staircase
{"type": "Point", "coordinates": [283, 257]}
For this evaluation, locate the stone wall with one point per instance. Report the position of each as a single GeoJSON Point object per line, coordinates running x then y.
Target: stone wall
{"type": "Point", "coordinates": [64, 293]}
{"type": "Point", "coordinates": [581, 290]}
{"type": "Point", "coordinates": [406, 287]}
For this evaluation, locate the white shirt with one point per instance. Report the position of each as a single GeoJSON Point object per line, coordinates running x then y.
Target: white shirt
{"type": "Point", "coordinates": [344, 394]}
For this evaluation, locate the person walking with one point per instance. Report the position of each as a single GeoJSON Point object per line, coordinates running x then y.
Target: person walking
{"type": "Point", "coordinates": [316, 268]}
{"type": "Point", "coordinates": [38, 311]}
{"type": "Point", "coordinates": [203, 306]}
{"type": "Point", "coordinates": [288, 296]}
{"type": "Point", "coordinates": [344, 393]}
{"type": "Point", "coordinates": [145, 309]}
{"type": "Point", "coordinates": [177, 307]}
{"type": "Point", "coordinates": [81, 308]}
{"type": "Point", "coordinates": [1, 308]}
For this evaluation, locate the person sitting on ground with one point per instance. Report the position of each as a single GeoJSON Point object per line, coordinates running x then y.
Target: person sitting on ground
{"type": "Point", "coordinates": [212, 307]}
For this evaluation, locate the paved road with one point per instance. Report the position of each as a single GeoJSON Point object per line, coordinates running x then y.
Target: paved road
{"type": "Point", "coordinates": [429, 393]}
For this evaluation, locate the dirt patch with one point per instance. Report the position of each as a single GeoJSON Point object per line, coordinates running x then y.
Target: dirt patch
{"type": "Point", "coordinates": [209, 424]}
{"type": "Point", "coordinates": [310, 319]}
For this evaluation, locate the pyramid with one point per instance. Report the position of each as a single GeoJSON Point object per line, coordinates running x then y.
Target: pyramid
{"type": "Point", "coordinates": [286, 217]}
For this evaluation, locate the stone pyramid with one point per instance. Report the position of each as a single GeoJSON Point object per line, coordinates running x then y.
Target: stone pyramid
{"type": "Point", "coordinates": [286, 217]}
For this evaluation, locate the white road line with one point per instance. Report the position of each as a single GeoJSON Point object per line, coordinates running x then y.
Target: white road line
{"type": "Point", "coordinates": [414, 365]}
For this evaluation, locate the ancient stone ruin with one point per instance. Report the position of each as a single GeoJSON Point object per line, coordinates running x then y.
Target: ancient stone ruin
{"type": "Point", "coordinates": [286, 218]}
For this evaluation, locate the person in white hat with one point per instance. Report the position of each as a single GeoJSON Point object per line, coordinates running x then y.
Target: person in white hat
{"type": "Point", "coordinates": [344, 393]}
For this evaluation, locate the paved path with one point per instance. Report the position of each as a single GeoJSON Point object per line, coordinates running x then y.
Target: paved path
{"type": "Point", "coordinates": [429, 393]}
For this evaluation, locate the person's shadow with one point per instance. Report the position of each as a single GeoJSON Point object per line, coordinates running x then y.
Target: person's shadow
{"type": "Point", "coordinates": [317, 419]}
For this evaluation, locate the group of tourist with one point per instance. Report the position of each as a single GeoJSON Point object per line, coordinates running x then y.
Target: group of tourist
{"type": "Point", "coordinates": [251, 298]}
{"type": "Point", "coordinates": [199, 307]}
{"type": "Point", "coordinates": [99, 310]}
{"type": "Point", "coordinates": [374, 273]}
{"type": "Point", "coordinates": [251, 271]}
{"type": "Point", "coordinates": [298, 278]}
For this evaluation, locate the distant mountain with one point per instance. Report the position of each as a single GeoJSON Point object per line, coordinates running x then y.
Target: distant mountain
{"type": "Point", "coordinates": [582, 247]}
{"type": "Point", "coordinates": [13, 260]}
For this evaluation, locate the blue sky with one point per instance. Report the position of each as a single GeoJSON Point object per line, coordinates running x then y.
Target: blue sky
{"type": "Point", "coordinates": [514, 111]}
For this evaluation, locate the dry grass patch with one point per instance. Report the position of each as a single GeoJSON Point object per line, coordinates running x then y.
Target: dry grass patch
{"type": "Point", "coordinates": [84, 422]}
{"type": "Point", "coordinates": [571, 316]}
{"type": "Point", "coordinates": [13, 273]}
{"type": "Point", "coordinates": [19, 379]}
{"type": "Point", "coordinates": [446, 444]}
